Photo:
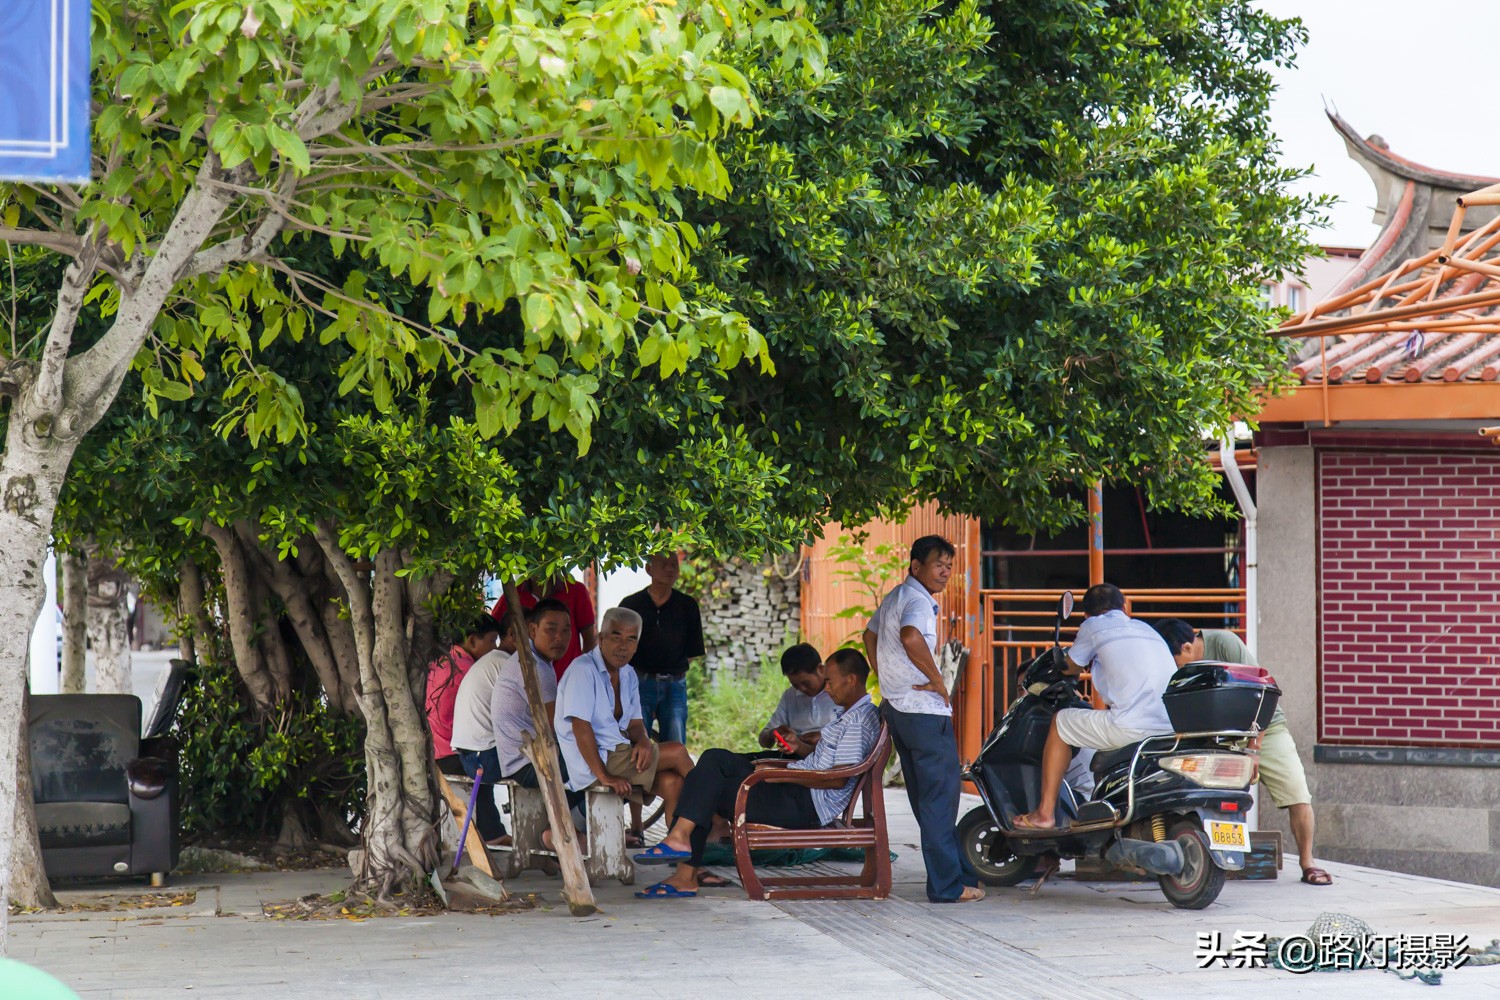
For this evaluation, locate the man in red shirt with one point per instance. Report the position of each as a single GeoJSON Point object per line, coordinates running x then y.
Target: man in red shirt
{"type": "Point", "coordinates": [580, 607]}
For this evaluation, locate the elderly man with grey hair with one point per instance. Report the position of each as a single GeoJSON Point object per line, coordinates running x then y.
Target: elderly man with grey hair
{"type": "Point", "coordinates": [598, 721]}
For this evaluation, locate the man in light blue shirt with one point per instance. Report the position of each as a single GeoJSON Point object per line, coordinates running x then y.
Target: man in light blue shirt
{"type": "Point", "coordinates": [1130, 665]}
{"type": "Point", "coordinates": [550, 626]}
{"type": "Point", "coordinates": [900, 641]}
{"type": "Point", "coordinates": [598, 721]}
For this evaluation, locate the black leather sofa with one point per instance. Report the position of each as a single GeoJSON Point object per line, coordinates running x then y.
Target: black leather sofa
{"type": "Point", "coordinates": [106, 800]}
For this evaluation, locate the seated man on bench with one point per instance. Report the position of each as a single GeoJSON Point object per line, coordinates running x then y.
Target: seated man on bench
{"type": "Point", "coordinates": [550, 625]}
{"type": "Point", "coordinates": [598, 719]}
{"type": "Point", "coordinates": [711, 787]}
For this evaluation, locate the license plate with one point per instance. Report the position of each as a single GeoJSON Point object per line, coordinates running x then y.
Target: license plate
{"type": "Point", "coordinates": [1231, 835]}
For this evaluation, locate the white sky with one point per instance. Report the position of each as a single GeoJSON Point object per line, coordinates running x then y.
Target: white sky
{"type": "Point", "coordinates": [1399, 69]}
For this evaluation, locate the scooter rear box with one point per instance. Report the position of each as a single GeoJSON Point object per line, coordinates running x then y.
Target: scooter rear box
{"type": "Point", "coordinates": [1212, 695]}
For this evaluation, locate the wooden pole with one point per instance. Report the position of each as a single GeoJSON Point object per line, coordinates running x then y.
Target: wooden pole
{"type": "Point", "coordinates": [543, 753]}
{"type": "Point", "coordinates": [1096, 533]}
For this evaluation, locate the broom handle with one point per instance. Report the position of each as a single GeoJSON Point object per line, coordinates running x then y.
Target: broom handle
{"type": "Point", "coordinates": [468, 816]}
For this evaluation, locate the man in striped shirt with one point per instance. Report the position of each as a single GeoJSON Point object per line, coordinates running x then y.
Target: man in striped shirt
{"type": "Point", "coordinates": [711, 787]}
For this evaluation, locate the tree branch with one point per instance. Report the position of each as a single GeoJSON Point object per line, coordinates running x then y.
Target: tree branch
{"type": "Point", "coordinates": [317, 115]}
{"type": "Point", "coordinates": [96, 375]}
{"type": "Point", "coordinates": [61, 242]}
{"type": "Point", "coordinates": [47, 390]}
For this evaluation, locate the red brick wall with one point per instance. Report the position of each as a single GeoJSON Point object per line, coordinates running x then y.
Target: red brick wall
{"type": "Point", "coordinates": [1410, 580]}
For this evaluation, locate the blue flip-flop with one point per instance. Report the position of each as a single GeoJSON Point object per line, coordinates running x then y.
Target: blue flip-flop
{"type": "Point", "coordinates": [663, 890]}
{"type": "Point", "coordinates": [661, 854]}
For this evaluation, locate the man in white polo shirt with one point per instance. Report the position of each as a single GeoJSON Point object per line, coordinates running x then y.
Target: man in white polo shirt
{"type": "Point", "coordinates": [900, 641]}
{"type": "Point", "coordinates": [1130, 665]}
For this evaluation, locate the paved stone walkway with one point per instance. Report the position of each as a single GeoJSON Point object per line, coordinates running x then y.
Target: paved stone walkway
{"type": "Point", "coordinates": [1075, 940]}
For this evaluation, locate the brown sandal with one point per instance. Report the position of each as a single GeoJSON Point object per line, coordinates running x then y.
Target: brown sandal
{"type": "Point", "coordinates": [1316, 876]}
{"type": "Point", "coordinates": [708, 880]}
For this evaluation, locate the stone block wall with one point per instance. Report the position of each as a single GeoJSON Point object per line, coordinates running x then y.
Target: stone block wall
{"type": "Point", "coordinates": [750, 614]}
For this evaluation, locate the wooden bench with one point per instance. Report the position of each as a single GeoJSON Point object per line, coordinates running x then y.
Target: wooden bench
{"type": "Point", "coordinates": [606, 857]}
{"type": "Point", "coordinates": [867, 831]}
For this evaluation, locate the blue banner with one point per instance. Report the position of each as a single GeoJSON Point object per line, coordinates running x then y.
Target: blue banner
{"type": "Point", "coordinates": [44, 90]}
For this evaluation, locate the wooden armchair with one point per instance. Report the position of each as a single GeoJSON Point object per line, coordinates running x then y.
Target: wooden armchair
{"type": "Point", "coordinates": [867, 831]}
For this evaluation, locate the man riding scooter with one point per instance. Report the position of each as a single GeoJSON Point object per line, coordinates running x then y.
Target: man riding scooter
{"type": "Point", "coordinates": [1130, 666]}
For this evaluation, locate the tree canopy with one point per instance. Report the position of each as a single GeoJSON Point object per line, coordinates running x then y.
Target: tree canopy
{"type": "Point", "coordinates": [1002, 247]}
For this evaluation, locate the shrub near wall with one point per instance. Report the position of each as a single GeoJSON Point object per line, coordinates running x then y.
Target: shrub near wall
{"type": "Point", "coordinates": [730, 710]}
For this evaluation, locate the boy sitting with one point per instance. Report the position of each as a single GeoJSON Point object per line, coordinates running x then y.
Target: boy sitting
{"type": "Point", "coordinates": [805, 708]}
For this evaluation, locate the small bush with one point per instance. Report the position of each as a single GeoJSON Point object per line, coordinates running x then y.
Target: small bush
{"type": "Point", "coordinates": [731, 711]}
{"type": "Point", "coordinates": [240, 773]}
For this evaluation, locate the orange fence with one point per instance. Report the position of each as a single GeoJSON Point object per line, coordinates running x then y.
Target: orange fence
{"type": "Point", "coordinates": [1015, 626]}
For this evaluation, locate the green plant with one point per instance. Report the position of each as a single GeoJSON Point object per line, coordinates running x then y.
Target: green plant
{"type": "Point", "coordinates": [244, 774]}
{"type": "Point", "coordinates": [729, 709]}
{"type": "Point", "coordinates": [873, 570]}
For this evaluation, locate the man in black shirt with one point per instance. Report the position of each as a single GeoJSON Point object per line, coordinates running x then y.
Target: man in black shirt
{"type": "Point", "coordinates": [671, 635]}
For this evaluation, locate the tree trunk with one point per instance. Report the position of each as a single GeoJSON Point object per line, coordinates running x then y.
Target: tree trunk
{"type": "Point", "coordinates": [75, 602]}
{"type": "Point", "coordinates": [297, 594]}
{"type": "Point", "coordinates": [53, 404]}
{"type": "Point", "coordinates": [340, 632]}
{"type": "Point", "coordinates": [543, 753]}
{"type": "Point", "coordinates": [293, 837]}
{"type": "Point", "coordinates": [195, 636]}
{"type": "Point", "coordinates": [239, 598]}
{"type": "Point", "coordinates": [30, 886]}
{"type": "Point", "coordinates": [109, 636]}
{"type": "Point", "coordinates": [31, 474]}
{"type": "Point", "coordinates": [399, 835]}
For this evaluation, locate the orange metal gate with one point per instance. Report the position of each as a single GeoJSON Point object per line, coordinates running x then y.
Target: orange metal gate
{"type": "Point", "coordinates": [830, 592]}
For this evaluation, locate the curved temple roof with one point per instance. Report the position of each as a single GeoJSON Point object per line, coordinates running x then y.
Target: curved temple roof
{"type": "Point", "coordinates": [1421, 307]}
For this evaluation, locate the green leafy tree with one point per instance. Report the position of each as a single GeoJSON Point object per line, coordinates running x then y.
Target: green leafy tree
{"type": "Point", "coordinates": [997, 248]}
{"type": "Point", "coordinates": [497, 154]}
{"type": "Point", "coordinates": [1003, 247]}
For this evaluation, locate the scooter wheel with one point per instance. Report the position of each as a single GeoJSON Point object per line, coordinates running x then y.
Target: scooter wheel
{"type": "Point", "coordinates": [1201, 880]}
{"type": "Point", "coordinates": [987, 851]}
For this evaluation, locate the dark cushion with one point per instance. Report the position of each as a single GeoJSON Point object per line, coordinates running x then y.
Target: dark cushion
{"type": "Point", "coordinates": [1107, 760]}
{"type": "Point", "coordinates": [82, 824]}
{"type": "Point", "coordinates": [80, 745]}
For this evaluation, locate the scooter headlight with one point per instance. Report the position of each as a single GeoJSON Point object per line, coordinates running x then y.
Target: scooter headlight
{"type": "Point", "coordinates": [1213, 770]}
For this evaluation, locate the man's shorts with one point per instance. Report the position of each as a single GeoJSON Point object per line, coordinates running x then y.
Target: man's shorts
{"type": "Point", "coordinates": [619, 765]}
{"type": "Point", "coordinates": [1281, 769]}
{"type": "Point", "coordinates": [1093, 728]}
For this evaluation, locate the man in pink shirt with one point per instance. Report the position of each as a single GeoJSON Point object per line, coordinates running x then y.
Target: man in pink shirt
{"type": "Point", "coordinates": [580, 608]}
{"type": "Point", "coordinates": [443, 677]}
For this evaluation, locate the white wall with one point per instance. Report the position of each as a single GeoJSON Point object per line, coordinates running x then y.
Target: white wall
{"type": "Point", "coordinates": [619, 584]}
{"type": "Point", "coordinates": [44, 679]}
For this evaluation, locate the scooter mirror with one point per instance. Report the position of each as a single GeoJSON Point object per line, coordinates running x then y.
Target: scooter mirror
{"type": "Point", "coordinates": [1064, 610]}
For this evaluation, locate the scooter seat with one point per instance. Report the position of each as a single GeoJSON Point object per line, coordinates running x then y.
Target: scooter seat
{"type": "Point", "coordinates": [1107, 760]}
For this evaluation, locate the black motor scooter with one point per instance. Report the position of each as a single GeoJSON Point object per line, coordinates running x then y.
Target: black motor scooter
{"type": "Point", "coordinates": [1173, 806]}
